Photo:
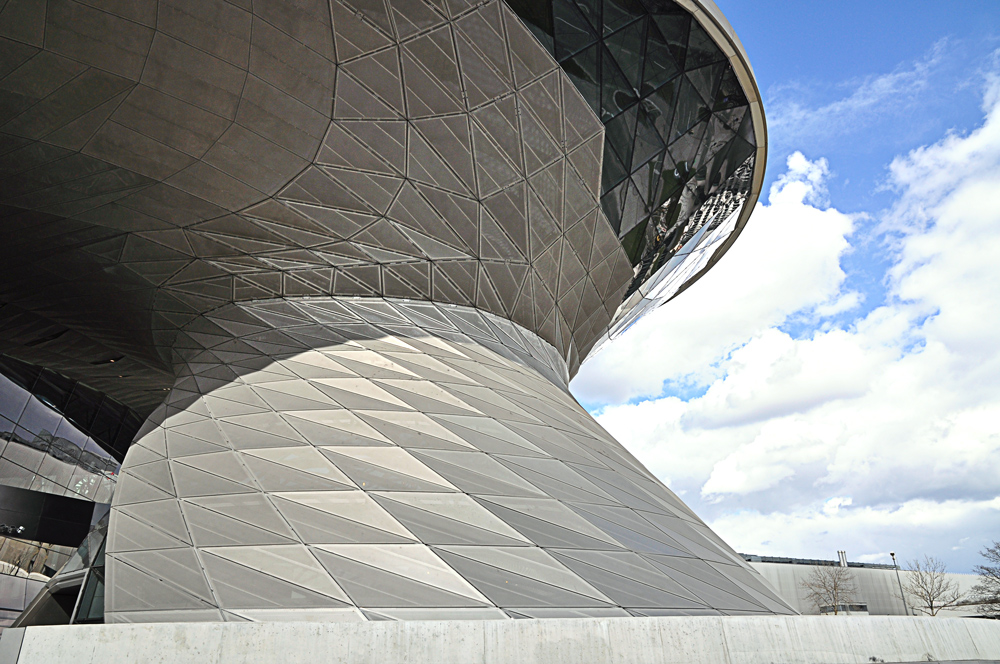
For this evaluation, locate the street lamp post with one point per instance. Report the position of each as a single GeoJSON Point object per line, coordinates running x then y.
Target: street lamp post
{"type": "Point", "coordinates": [902, 595]}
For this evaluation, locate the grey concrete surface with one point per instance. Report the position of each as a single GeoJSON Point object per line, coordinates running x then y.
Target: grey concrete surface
{"type": "Point", "coordinates": [729, 640]}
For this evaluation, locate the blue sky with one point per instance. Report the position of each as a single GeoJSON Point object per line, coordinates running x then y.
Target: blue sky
{"type": "Point", "coordinates": [816, 54]}
{"type": "Point", "coordinates": [847, 396]}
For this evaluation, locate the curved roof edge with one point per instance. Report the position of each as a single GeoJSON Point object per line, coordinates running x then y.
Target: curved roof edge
{"type": "Point", "coordinates": [711, 18]}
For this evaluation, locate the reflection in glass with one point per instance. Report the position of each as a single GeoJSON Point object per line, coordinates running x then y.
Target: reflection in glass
{"type": "Point", "coordinates": [74, 594]}
{"type": "Point", "coordinates": [678, 138]}
{"type": "Point", "coordinates": [59, 436]}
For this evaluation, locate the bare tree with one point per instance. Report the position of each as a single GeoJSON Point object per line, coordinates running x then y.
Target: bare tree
{"type": "Point", "coordinates": [929, 588]}
{"type": "Point", "coordinates": [830, 585]}
{"type": "Point", "coordinates": [986, 593]}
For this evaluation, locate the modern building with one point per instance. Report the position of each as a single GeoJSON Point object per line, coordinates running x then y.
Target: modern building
{"type": "Point", "coordinates": [338, 260]}
{"type": "Point", "coordinates": [343, 260]}
{"type": "Point", "coordinates": [61, 444]}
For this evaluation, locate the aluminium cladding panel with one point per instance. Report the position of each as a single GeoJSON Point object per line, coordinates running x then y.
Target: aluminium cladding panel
{"type": "Point", "coordinates": [170, 157]}
{"type": "Point", "coordinates": [367, 459]}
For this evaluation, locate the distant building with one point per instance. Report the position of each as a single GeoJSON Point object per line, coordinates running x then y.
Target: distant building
{"type": "Point", "coordinates": [878, 588]}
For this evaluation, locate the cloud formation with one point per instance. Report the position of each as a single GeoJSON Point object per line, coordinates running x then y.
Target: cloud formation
{"type": "Point", "coordinates": [882, 433]}
{"type": "Point", "coordinates": [872, 99]}
{"type": "Point", "coordinates": [790, 248]}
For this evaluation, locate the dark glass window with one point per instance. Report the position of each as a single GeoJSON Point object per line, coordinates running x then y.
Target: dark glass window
{"type": "Point", "coordinates": [111, 424]}
{"type": "Point", "coordinates": [90, 610]}
{"type": "Point", "coordinates": [82, 406]}
{"type": "Point", "coordinates": [53, 389]}
{"type": "Point", "coordinates": [59, 436]}
{"type": "Point", "coordinates": [672, 107]}
{"type": "Point", "coordinates": [13, 399]}
{"type": "Point", "coordinates": [38, 418]}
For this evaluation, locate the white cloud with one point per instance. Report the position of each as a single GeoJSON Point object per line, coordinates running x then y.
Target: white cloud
{"type": "Point", "coordinates": [867, 533]}
{"type": "Point", "coordinates": [787, 260]}
{"type": "Point", "coordinates": [881, 434]}
{"type": "Point", "coordinates": [871, 99]}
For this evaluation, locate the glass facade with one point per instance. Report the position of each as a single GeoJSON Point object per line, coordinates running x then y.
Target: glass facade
{"type": "Point", "coordinates": [76, 593]}
{"type": "Point", "coordinates": [22, 557]}
{"type": "Point", "coordinates": [58, 435]}
{"type": "Point", "coordinates": [706, 232]}
{"type": "Point", "coordinates": [678, 130]}
{"type": "Point", "coordinates": [25, 567]}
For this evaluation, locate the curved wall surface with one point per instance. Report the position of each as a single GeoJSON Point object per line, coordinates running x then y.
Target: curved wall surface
{"type": "Point", "coordinates": [170, 157]}
{"type": "Point", "coordinates": [352, 459]}
{"type": "Point", "coordinates": [685, 139]}
{"type": "Point", "coordinates": [176, 156]}
{"type": "Point", "coordinates": [346, 256]}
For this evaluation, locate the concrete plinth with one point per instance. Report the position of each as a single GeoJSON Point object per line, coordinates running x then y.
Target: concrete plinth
{"type": "Point", "coordinates": [722, 640]}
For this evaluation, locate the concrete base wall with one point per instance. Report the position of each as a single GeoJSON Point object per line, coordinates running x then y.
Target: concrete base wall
{"type": "Point", "coordinates": [727, 640]}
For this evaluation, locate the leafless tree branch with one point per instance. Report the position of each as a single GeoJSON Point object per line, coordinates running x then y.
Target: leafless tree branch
{"type": "Point", "coordinates": [830, 586]}
{"type": "Point", "coordinates": [927, 584]}
{"type": "Point", "coordinates": [986, 593]}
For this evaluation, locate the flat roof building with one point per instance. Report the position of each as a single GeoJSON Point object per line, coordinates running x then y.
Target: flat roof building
{"type": "Point", "coordinates": [877, 585]}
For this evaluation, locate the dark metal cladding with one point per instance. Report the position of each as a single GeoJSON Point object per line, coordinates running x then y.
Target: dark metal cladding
{"type": "Point", "coordinates": [163, 161]}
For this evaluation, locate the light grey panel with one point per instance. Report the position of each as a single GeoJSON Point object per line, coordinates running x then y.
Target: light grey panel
{"type": "Point", "coordinates": [164, 514]}
{"type": "Point", "coordinates": [315, 526]}
{"type": "Point", "coordinates": [505, 588]}
{"type": "Point", "coordinates": [138, 591]}
{"type": "Point", "coordinates": [382, 507]}
{"type": "Point", "coordinates": [276, 477]}
{"type": "Point", "coordinates": [477, 473]}
{"type": "Point", "coordinates": [210, 528]}
{"type": "Point", "coordinates": [372, 477]}
{"type": "Point", "coordinates": [622, 585]}
{"type": "Point", "coordinates": [704, 588]}
{"type": "Point", "coordinates": [434, 528]}
{"type": "Point", "coordinates": [372, 587]}
{"type": "Point", "coordinates": [178, 567]}
{"type": "Point", "coordinates": [249, 508]}
{"type": "Point", "coordinates": [240, 587]}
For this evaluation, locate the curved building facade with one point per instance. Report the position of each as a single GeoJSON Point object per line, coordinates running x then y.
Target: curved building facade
{"type": "Point", "coordinates": [673, 87]}
{"type": "Point", "coordinates": [345, 257]}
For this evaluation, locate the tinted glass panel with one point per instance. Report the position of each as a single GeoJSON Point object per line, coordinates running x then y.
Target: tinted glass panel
{"type": "Point", "coordinates": [655, 54]}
